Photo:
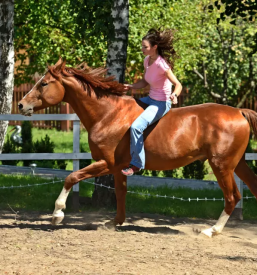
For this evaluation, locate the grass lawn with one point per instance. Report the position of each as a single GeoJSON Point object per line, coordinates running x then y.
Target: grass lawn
{"type": "Point", "coordinates": [42, 198]}
{"type": "Point", "coordinates": [63, 141]}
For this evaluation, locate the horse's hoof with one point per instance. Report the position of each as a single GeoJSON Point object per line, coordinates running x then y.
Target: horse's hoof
{"type": "Point", "coordinates": [209, 232]}
{"type": "Point", "coordinates": [111, 225]}
{"type": "Point", "coordinates": [57, 219]}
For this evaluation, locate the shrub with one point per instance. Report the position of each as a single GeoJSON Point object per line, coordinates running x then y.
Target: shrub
{"type": "Point", "coordinates": [10, 147]}
{"type": "Point", "coordinates": [27, 144]}
{"type": "Point", "coordinates": [84, 162]}
{"type": "Point", "coordinates": [251, 163]}
{"type": "Point", "coordinates": [195, 170]}
{"type": "Point", "coordinates": [45, 145]}
{"type": "Point", "coordinates": [171, 173]}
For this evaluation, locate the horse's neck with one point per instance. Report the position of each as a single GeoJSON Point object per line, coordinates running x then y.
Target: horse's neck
{"type": "Point", "coordinates": [89, 109]}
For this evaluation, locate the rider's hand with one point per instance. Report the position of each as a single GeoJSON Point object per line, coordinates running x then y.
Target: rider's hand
{"type": "Point", "coordinates": [127, 87]}
{"type": "Point", "coordinates": [174, 98]}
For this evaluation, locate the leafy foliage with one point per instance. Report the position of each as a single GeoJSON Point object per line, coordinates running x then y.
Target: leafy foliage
{"type": "Point", "coordinates": [216, 61]}
{"type": "Point", "coordinates": [84, 162]}
{"type": "Point", "coordinates": [171, 173]}
{"type": "Point", "coordinates": [46, 30]}
{"type": "Point", "coordinates": [195, 170]}
{"type": "Point", "coordinates": [251, 163]}
{"type": "Point", "coordinates": [27, 143]}
{"type": "Point", "coordinates": [246, 9]}
{"type": "Point", "coordinates": [155, 14]}
{"type": "Point", "coordinates": [45, 145]}
{"type": "Point", "coordinates": [10, 147]}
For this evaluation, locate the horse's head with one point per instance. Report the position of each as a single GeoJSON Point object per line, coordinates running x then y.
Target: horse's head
{"type": "Point", "coordinates": [48, 91]}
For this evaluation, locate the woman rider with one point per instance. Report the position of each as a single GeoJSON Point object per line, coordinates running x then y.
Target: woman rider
{"type": "Point", "coordinates": [158, 63]}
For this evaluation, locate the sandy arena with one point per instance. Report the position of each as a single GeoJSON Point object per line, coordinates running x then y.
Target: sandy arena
{"type": "Point", "coordinates": [145, 244]}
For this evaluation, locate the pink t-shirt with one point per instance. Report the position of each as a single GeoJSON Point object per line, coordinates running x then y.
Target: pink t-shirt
{"type": "Point", "coordinates": [160, 85]}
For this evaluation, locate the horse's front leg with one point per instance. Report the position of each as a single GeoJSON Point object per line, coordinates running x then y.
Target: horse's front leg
{"type": "Point", "coordinates": [121, 191]}
{"type": "Point", "coordinates": [96, 169]}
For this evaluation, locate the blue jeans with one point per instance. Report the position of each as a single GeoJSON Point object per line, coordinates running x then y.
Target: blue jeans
{"type": "Point", "coordinates": [155, 111]}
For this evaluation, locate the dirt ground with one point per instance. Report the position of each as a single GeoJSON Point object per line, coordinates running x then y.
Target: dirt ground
{"type": "Point", "coordinates": [145, 244]}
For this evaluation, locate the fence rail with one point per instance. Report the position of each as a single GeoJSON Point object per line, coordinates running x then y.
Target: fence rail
{"type": "Point", "coordinates": [75, 156]}
{"type": "Point", "coordinates": [40, 156]}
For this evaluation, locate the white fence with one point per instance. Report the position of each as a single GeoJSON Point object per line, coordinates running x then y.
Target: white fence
{"type": "Point", "coordinates": [76, 155]}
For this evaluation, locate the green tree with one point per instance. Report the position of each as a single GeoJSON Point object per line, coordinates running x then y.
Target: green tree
{"type": "Point", "coordinates": [46, 30]}
{"type": "Point", "coordinates": [216, 60]}
{"type": "Point", "coordinates": [246, 9]}
{"type": "Point", "coordinates": [143, 15]}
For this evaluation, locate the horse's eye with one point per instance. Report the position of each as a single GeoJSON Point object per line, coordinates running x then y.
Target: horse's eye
{"type": "Point", "coordinates": [44, 84]}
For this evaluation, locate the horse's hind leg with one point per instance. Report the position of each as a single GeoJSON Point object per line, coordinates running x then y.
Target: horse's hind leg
{"type": "Point", "coordinates": [96, 169]}
{"type": "Point", "coordinates": [247, 176]}
{"type": "Point", "coordinates": [231, 195]}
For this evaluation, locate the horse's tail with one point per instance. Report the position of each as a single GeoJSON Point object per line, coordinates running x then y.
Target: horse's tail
{"type": "Point", "coordinates": [251, 117]}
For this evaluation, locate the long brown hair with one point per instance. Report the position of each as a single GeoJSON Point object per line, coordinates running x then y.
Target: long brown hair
{"type": "Point", "coordinates": [164, 41]}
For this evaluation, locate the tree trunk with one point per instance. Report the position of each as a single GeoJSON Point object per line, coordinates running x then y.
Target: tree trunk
{"type": "Point", "coordinates": [116, 64]}
{"type": "Point", "coordinates": [102, 196]}
{"type": "Point", "coordinates": [6, 63]}
{"type": "Point", "coordinates": [118, 40]}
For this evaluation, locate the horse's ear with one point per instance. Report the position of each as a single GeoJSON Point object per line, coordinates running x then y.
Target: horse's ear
{"type": "Point", "coordinates": [60, 64]}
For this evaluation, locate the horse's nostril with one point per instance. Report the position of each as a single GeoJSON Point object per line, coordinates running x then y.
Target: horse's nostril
{"type": "Point", "coordinates": [20, 106]}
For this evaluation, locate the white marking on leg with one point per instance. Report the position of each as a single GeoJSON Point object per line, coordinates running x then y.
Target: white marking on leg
{"type": "Point", "coordinates": [218, 227]}
{"type": "Point", "coordinates": [60, 203]}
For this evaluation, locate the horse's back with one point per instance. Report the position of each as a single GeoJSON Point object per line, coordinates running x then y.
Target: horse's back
{"type": "Point", "coordinates": [208, 113]}
{"type": "Point", "coordinates": [195, 132]}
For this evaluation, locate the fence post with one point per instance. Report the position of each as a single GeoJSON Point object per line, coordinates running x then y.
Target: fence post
{"type": "Point", "coordinates": [76, 149]}
{"type": "Point", "coordinates": [65, 124]}
{"type": "Point", "coordinates": [238, 211]}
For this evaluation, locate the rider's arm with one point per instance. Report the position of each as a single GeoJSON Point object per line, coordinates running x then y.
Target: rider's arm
{"type": "Point", "coordinates": [175, 82]}
{"type": "Point", "coordinates": [142, 83]}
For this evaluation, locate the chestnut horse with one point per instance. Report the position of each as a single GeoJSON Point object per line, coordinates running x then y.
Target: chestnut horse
{"type": "Point", "coordinates": [208, 131]}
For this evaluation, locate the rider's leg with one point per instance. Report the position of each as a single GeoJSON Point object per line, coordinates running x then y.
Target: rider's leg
{"type": "Point", "coordinates": [152, 113]}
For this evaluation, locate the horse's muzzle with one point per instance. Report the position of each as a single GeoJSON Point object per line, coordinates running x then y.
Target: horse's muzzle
{"type": "Point", "coordinates": [28, 111]}
{"type": "Point", "coordinates": [20, 106]}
